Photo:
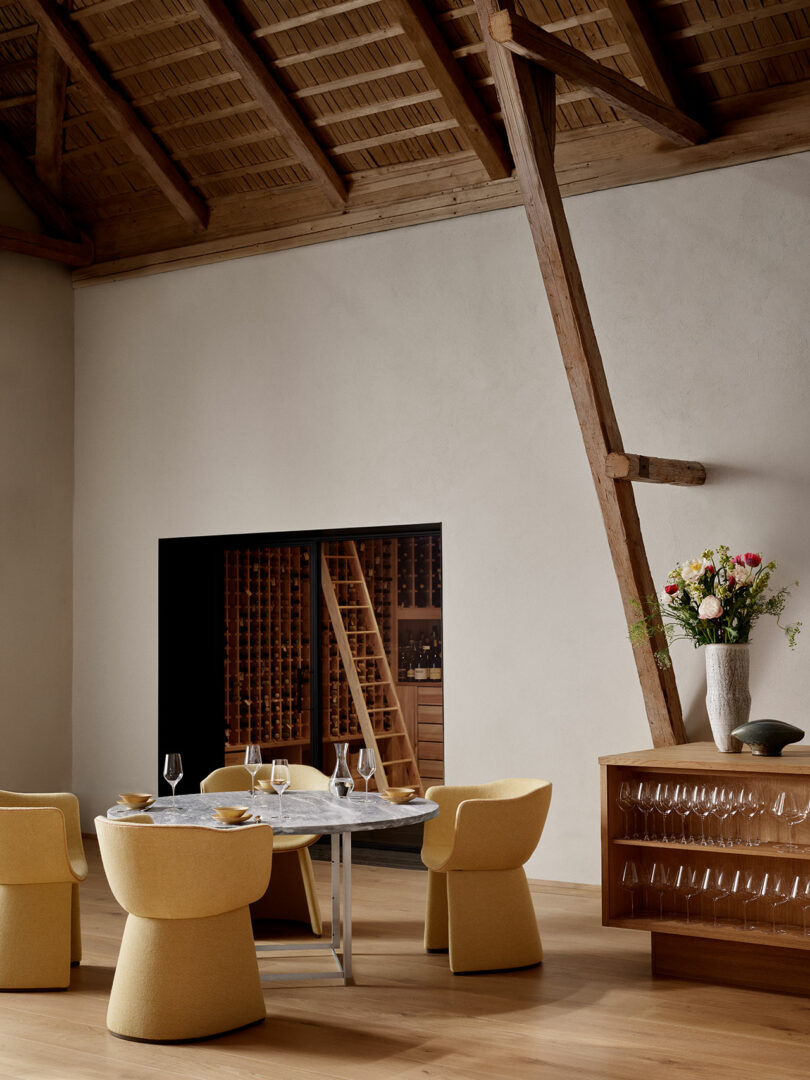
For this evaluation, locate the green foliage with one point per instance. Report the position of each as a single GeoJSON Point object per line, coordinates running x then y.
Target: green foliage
{"type": "Point", "coordinates": [712, 600]}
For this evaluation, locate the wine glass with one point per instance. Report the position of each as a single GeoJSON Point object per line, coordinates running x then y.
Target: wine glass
{"type": "Point", "coordinates": [750, 891]}
{"type": "Point", "coordinates": [253, 762]}
{"type": "Point", "coordinates": [682, 805]}
{"type": "Point", "coordinates": [715, 886]}
{"type": "Point", "coordinates": [663, 804]}
{"type": "Point", "coordinates": [702, 806]}
{"type": "Point", "coordinates": [753, 806]}
{"type": "Point", "coordinates": [659, 881]}
{"type": "Point", "coordinates": [744, 887]}
{"type": "Point", "coordinates": [280, 780]}
{"type": "Point", "coordinates": [173, 774]}
{"type": "Point", "coordinates": [366, 765]}
{"type": "Point", "coordinates": [631, 883]}
{"type": "Point", "coordinates": [626, 801]}
{"type": "Point", "coordinates": [804, 903]}
{"type": "Point", "coordinates": [789, 808]}
{"type": "Point", "coordinates": [722, 802]}
{"type": "Point", "coordinates": [687, 884]}
{"type": "Point", "coordinates": [774, 893]}
{"type": "Point", "coordinates": [645, 798]}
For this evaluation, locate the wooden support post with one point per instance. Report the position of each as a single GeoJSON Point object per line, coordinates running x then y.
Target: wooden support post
{"type": "Point", "coordinates": [52, 74]}
{"type": "Point", "coordinates": [527, 111]}
{"type": "Point", "coordinates": [654, 470]}
{"type": "Point", "coordinates": [527, 40]}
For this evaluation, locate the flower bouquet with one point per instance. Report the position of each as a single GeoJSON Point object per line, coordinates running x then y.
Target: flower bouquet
{"type": "Point", "coordinates": [715, 599]}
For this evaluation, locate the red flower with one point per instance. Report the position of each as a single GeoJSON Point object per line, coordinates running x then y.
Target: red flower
{"type": "Point", "coordinates": [739, 560]}
{"type": "Point", "coordinates": [752, 559]}
{"type": "Point", "coordinates": [732, 581]}
{"type": "Point", "coordinates": [670, 590]}
{"type": "Point", "coordinates": [709, 569]}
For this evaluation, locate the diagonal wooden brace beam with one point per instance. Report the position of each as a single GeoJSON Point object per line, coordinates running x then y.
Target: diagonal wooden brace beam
{"type": "Point", "coordinates": [527, 40]}
{"type": "Point", "coordinates": [446, 73]}
{"type": "Point", "coordinates": [149, 153]}
{"type": "Point", "coordinates": [39, 198]}
{"type": "Point", "coordinates": [526, 94]}
{"type": "Point", "coordinates": [52, 76]}
{"type": "Point", "coordinates": [45, 247]}
{"type": "Point", "coordinates": [654, 470]}
{"type": "Point", "coordinates": [272, 100]}
{"type": "Point", "coordinates": [651, 60]}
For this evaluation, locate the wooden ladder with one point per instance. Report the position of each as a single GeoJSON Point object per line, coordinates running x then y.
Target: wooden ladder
{"type": "Point", "coordinates": [362, 652]}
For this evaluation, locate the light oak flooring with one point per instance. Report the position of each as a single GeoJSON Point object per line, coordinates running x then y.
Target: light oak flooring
{"type": "Point", "coordinates": [592, 1010]}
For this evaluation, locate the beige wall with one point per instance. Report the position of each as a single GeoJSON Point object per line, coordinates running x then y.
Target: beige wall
{"type": "Point", "coordinates": [36, 492]}
{"type": "Point", "coordinates": [414, 376]}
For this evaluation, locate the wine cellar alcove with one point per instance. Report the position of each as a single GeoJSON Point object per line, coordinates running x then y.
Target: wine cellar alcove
{"type": "Point", "coordinates": [256, 632]}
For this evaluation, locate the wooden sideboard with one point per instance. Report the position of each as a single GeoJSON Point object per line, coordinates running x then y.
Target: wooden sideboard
{"type": "Point", "coordinates": [724, 952]}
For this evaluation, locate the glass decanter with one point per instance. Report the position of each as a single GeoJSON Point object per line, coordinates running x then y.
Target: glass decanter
{"type": "Point", "coordinates": [341, 782]}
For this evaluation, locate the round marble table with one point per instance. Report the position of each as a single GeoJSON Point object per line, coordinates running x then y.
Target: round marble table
{"type": "Point", "coordinates": [303, 812]}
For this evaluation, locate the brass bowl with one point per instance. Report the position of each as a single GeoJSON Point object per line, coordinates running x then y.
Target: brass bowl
{"type": "Point", "coordinates": [232, 814]}
{"type": "Point", "coordinates": [135, 801]}
{"type": "Point", "coordinates": [399, 795]}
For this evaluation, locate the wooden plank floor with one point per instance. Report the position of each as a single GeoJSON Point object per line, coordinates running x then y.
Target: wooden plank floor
{"type": "Point", "coordinates": [592, 1010]}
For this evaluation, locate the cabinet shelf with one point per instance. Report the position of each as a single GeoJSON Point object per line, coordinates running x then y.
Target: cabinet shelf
{"type": "Point", "coordinates": [769, 849]}
{"type": "Point", "coordinates": [726, 930]}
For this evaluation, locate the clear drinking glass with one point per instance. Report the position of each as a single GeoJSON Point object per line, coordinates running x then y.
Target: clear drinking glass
{"type": "Point", "coordinates": [682, 805]}
{"type": "Point", "coordinates": [752, 885]}
{"type": "Point", "coordinates": [626, 801]}
{"type": "Point", "coordinates": [659, 880]}
{"type": "Point", "coordinates": [753, 807]}
{"type": "Point", "coordinates": [702, 806]}
{"type": "Point", "coordinates": [645, 798]}
{"type": "Point", "coordinates": [687, 884]}
{"type": "Point", "coordinates": [774, 893]}
{"type": "Point", "coordinates": [791, 809]}
{"type": "Point", "coordinates": [722, 802]}
{"type": "Point", "coordinates": [744, 888]}
{"type": "Point", "coordinates": [253, 762]}
{"type": "Point", "coordinates": [173, 774]}
{"type": "Point", "coordinates": [662, 801]}
{"type": "Point", "coordinates": [366, 765]}
{"type": "Point", "coordinates": [280, 780]}
{"type": "Point", "coordinates": [804, 903]}
{"type": "Point", "coordinates": [716, 886]}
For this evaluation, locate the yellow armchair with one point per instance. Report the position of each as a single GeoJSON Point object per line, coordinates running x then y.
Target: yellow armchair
{"type": "Point", "coordinates": [187, 967]}
{"type": "Point", "coordinates": [478, 900]}
{"type": "Point", "coordinates": [291, 893]}
{"type": "Point", "coordinates": [41, 864]}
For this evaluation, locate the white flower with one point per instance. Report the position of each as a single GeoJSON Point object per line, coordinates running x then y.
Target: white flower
{"type": "Point", "coordinates": [710, 608]}
{"type": "Point", "coordinates": [742, 575]}
{"type": "Point", "coordinates": [693, 569]}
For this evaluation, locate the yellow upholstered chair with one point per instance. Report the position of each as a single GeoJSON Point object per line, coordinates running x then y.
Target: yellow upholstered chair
{"type": "Point", "coordinates": [41, 864]}
{"type": "Point", "coordinates": [291, 893]}
{"type": "Point", "coordinates": [478, 900]}
{"type": "Point", "coordinates": [187, 967]}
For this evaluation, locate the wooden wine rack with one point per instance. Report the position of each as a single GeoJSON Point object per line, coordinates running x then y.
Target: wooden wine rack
{"type": "Point", "coordinates": [267, 698]}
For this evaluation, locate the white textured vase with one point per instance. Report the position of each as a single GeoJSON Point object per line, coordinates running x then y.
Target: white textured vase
{"type": "Point", "coordinates": [728, 700]}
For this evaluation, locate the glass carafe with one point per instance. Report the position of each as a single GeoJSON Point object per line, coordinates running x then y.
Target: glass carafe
{"type": "Point", "coordinates": [341, 782]}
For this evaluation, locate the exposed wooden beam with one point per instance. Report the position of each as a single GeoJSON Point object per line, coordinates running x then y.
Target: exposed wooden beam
{"type": "Point", "coordinates": [272, 100]}
{"type": "Point", "coordinates": [45, 247]}
{"type": "Point", "coordinates": [52, 74]}
{"type": "Point", "coordinates": [41, 200]}
{"type": "Point", "coordinates": [647, 51]}
{"type": "Point", "coordinates": [446, 74]}
{"type": "Point", "coordinates": [653, 470]}
{"type": "Point", "coordinates": [119, 112]}
{"type": "Point", "coordinates": [526, 40]}
{"type": "Point", "coordinates": [527, 99]}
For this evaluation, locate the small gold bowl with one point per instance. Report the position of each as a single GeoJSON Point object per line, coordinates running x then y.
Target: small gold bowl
{"type": "Point", "coordinates": [264, 785]}
{"type": "Point", "coordinates": [399, 795]}
{"type": "Point", "coordinates": [135, 801]}
{"type": "Point", "coordinates": [232, 814]}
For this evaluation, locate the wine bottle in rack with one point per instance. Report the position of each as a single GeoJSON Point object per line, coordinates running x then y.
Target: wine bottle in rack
{"type": "Point", "coordinates": [422, 663]}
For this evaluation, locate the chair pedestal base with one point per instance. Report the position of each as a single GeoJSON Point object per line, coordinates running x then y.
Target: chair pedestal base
{"type": "Point", "coordinates": [35, 924]}
{"type": "Point", "coordinates": [182, 979]}
{"type": "Point", "coordinates": [488, 920]}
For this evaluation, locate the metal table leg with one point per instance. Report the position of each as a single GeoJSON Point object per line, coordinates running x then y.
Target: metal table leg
{"type": "Point", "coordinates": [342, 959]}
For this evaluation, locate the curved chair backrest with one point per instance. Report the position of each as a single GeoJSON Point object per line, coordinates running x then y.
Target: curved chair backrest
{"type": "Point", "coordinates": [33, 846]}
{"type": "Point", "coordinates": [237, 778]}
{"type": "Point", "coordinates": [493, 826]}
{"type": "Point", "coordinates": [184, 871]}
{"type": "Point", "coordinates": [69, 805]}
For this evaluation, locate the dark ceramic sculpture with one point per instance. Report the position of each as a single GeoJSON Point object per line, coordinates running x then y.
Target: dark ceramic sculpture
{"type": "Point", "coordinates": [767, 737]}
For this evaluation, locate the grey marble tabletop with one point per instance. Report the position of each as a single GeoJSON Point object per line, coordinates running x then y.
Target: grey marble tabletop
{"type": "Point", "coordinates": [303, 811]}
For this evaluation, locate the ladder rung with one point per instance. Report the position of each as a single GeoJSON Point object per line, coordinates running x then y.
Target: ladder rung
{"type": "Point", "coordinates": [361, 631]}
{"type": "Point", "coordinates": [386, 708]}
{"type": "Point", "coordinates": [347, 607]}
{"type": "Point", "coordinates": [398, 761]}
{"type": "Point", "coordinates": [387, 735]}
{"type": "Point", "coordinates": [337, 556]}
{"type": "Point", "coordinates": [375, 684]}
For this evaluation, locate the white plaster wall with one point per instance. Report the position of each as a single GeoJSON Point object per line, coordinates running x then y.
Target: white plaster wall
{"type": "Point", "coordinates": [36, 494]}
{"type": "Point", "coordinates": [414, 376]}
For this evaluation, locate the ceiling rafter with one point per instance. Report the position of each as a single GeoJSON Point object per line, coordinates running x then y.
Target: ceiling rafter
{"type": "Point", "coordinates": [50, 211]}
{"type": "Point", "coordinates": [273, 101]}
{"type": "Point", "coordinates": [52, 76]}
{"type": "Point", "coordinates": [526, 39]}
{"type": "Point", "coordinates": [149, 153]}
{"type": "Point", "coordinates": [647, 51]}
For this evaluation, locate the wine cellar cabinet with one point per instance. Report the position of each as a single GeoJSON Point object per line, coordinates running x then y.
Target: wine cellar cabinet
{"type": "Point", "coordinates": [732, 940]}
{"type": "Point", "coordinates": [268, 659]}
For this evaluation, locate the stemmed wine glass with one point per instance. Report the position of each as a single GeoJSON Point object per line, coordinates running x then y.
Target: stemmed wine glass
{"type": "Point", "coordinates": [280, 780]}
{"type": "Point", "coordinates": [803, 898]}
{"type": "Point", "coordinates": [645, 798]}
{"type": "Point", "coordinates": [702, 806]}
{"type": "Point", "coordinates": [366, 765]}
{"type": "Point", "coordinates": [631, 883]}
{"type": "Point", "coordinates": [716, 886]}
{"type": "Point", "coordinates": [626, 801]}
{"type": "Point", "coordinates": [659, 881]}
{"type": "Point", "coordinates": [744, 886]}
{"type": "Point", "coordinates": [788, 808]}
{"type": "Point", "coordinates": [753, 806]}
{"type": "Point", "coordinates": [682, 805]}
{"type": "Point", "coordinates": [722, 802]}
{"type": "Point", "coordinates": [663, 804]}
{"type": "Point", "coordinates": [687, 884]}
{"type": "Point", "coordinates": [253, 762]}
{"type": "Point", "coordinates": [173, 774]}
{"type": "Point", "coordinates": [774, 893]}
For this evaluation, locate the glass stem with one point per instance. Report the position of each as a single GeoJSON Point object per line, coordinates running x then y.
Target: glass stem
{"type": "Point", "coordinates": [174, 800]}
{"type": "Point", "coordinates": [280, 808]}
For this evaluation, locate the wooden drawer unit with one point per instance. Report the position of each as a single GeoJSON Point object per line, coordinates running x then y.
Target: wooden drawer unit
{"type": "Point", "coordinates": [430, 733]}
{"type": "Point", "coordinates": [740, 946]}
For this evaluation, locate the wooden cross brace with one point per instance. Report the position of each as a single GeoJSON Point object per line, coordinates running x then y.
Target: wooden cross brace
{"type": "Point", "coordinates": [526, 90]}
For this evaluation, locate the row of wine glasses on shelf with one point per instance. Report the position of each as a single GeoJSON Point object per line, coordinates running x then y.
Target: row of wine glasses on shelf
{"type": "Point", "coordinates": [738, 809]}
{"type": "Point", "coordinates": [747, 892]}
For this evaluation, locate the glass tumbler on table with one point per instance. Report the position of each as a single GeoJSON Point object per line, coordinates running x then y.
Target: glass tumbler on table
{"type": "Point", "coordinates": [173, 774]}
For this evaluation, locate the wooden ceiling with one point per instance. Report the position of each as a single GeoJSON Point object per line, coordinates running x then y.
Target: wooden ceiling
{"type": "Point", "coordinates": [173, 132]}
